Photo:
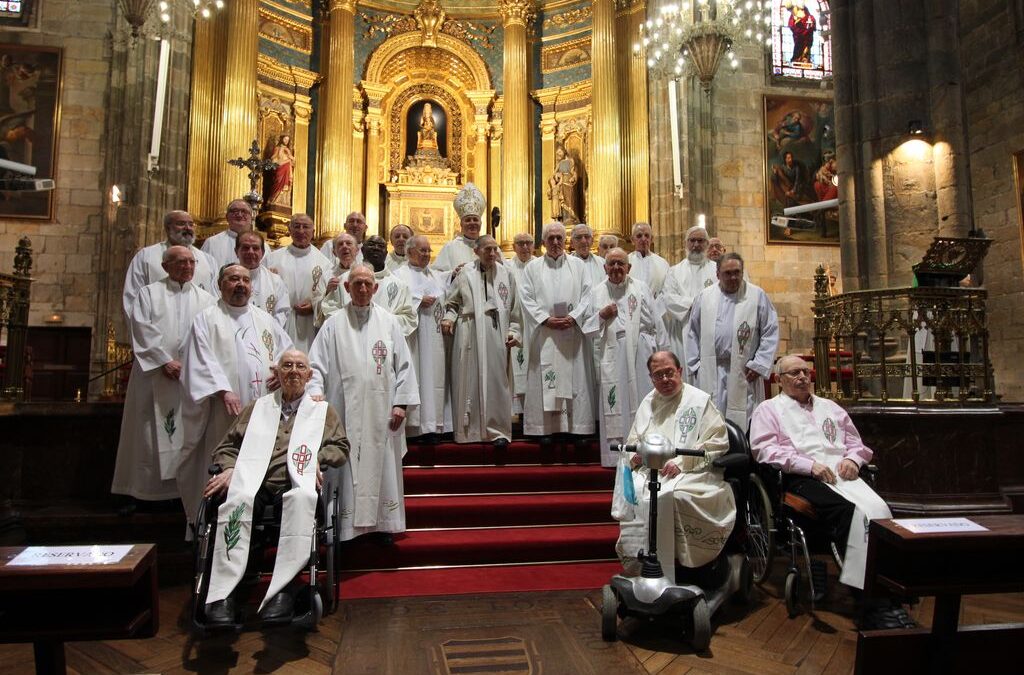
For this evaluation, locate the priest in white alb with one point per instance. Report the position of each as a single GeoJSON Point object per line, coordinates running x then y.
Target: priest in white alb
{"type": "Point", "coordinates": [469, 205]}
{"type": "Point", "coordinates": [222, 246]}
{"type": "Point", "coordinates": [522, 246]}
{"type": "Point", "coordinates": [555, 304]}
{"type": "Point", "coordinates": [146, 265]}
{"type": "Point", "coordinates": [227, 357]}
{"type": "Point", "coordinates": [582, 238]}
{"type": "Point", "coordinates": [605, 243]}
{"type": "Point", "coordinates": [685, 280]}
{"type": "Point", "coordinates": [400, 235]}
{"type": "Point", "coordinates": [305, 272]}
{"type": "Point", "coordinates": [433, 415]}
{"type": "Point", "coordinates": [362, 367]}
{"type": "Point", "coordinates": [151, 429]}
{"type": "Point", "coordinates": [625, 332]}
{"type": "Point", "coordinates": [644, 263]}
{"type": "Point", "coordinates": [731, 341]}
{"type": "Point", "coordinates": [481, 314]}
{"type": "Point", "coordinates": [269, 292]}
{"type": "Point", "coordinates": [355, 226]}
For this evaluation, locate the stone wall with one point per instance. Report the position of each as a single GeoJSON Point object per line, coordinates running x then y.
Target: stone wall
{"type": "Point", "coordinates": [992, 51]}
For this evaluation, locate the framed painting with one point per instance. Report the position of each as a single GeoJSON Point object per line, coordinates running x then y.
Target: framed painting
{"type": "Point", "coordinates": [800, 170]}
{"type": "Point", "coordinates": [30, 83]}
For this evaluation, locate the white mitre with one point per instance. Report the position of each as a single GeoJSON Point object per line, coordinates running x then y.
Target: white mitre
{"type": "Point", "coordinates": [470, 202]}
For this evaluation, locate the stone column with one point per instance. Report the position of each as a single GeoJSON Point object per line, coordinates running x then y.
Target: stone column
{"type": "Point", "coordinates": [605, 207]}
{"type": "Point", "coordinates": [516, 155]}
{"type": "Point", "coordinates": [333, 184]}
{"type": "Point", "coordinates": [374, 128]}
{"type": "Point", "coordinates": [303, 112]}
{"type": "Point", "coordinates": [238, 117]}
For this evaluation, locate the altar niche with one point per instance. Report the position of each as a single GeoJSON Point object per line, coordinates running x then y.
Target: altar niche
{"type": "Point", "coordinates": [426, 130]}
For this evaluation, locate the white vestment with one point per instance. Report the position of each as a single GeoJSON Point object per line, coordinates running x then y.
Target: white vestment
{"type": "Point", "coordinates": [305, 272]}
{"type": "Point", "coordinates": [517, 356]}
{"type": "Point", "coordinates": [394, 261]}
{"type": "Point", "coordinates": [650, 269]}
{"type": "Point", "coordinates": [558, 393]}
{"type": "Point", "coordinates": [147, 266]}
{"type": "Point", "coordinates": [456, 252]}
{"type": "Point", "coordinates": [227, 349]}
{"type": "Point", "coordinates": [595, 267]}
{"type": "Point", "coordinates": [327, 249]}
{"type": "Point", "coordinates": [426, 346]}
{"type": "Point", "coordinates": [392, 294]}
{"type": "Point", "coordinates": [702, 503]}
{"type": "Point", "coordinates": [825, 442]}
{"type": "Point", "coordinates": [682, 284]}
{"type": "Point", "coordinates": [270, 294]}
{"type": "Point", "coordinates": [483, 307]}
{"type": "Point", "coordinates": [361, 365]}
{"type": "Point", "coordinates": [151, 428]}
{"type": "Point", "coordinates": [745, 325]}
{"type": "Point", "coordinates": [221, 247]}
{"type": "Point", "coordinates": [622, 345]}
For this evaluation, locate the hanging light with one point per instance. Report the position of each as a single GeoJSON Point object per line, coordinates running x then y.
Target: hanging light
{"type": "Point", "coordinates": [137, 12]}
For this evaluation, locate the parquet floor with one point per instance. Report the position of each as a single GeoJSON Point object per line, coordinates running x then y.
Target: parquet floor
{"type": "Point", "coordinates": [564, 628]}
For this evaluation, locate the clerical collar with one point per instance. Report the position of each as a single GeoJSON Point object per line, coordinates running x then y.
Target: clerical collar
{"type": "Point", "coordinates": [642, 254]}
{"type": "Point", "coordinates": [555, 262]}
{"type": "Point", "coordinates": [622, 284]}
{"type": "Point", "coordinates": [299, 251]}
{"type": "Point", "coordinates": [661, 403]}
{"type": "Point", "coordinates": [381, 273]}
{"type": "Point", "coordinates": [231, 233]}
{"type": "Point", "coordinates": [175, 286]}
{"type": "Point", "coordinates": [236, 311]}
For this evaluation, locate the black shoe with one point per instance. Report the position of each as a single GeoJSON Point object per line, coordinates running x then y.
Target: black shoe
{"type": "Point", "coordinates": [547, 442]}
{"type": "Point", "coordinates": [280, 609]}
{"type": "Point", "coordinates": [501, 444]}
{"type": "Point", "coordinates": [221, 613]}
{"type": "Point", "coordinates": [384, 538]}
{"type": "Point", "coordinates": [581, 443]}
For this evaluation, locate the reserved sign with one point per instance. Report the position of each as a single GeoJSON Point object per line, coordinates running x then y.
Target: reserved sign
{"type": "Point", "coordinates": [932, 525]}
{"type": "Point", "coordinates": [42, 556]}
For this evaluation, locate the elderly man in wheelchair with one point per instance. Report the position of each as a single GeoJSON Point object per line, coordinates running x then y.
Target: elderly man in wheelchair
{"type": "Point", "coordinates": [269, 459]}
{"type": "Point", "coordinates": [820, 454]}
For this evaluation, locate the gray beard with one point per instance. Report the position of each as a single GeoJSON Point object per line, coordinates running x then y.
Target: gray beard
{"type": "Point", "coordinates": [696, 258]}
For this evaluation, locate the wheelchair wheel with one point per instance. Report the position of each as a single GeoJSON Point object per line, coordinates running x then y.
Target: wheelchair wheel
{"type": "Point", "coordinates": [792, 593]}
{"type": "Point", "coordinates": [745, 593]}
{"type": "Point", "coordinates": [701, 637]}
{"type": "Point", "coordinates": [330, 591]}
{"type": "Point", "coordinates": [760, 530]}
{"type": "Point", "coordinates": [609, 614]}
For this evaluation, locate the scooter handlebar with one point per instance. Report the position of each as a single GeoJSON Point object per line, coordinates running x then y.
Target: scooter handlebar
{"type": "Point", "coordinates": [683, 452]}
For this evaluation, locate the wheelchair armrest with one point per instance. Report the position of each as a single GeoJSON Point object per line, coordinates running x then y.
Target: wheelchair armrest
{"type": "Point", "coordinates": [214, 469]}
{"type": "Point", "coordinates": [735, 462]}
{"type": "Point", "coordinates": [870, 469]}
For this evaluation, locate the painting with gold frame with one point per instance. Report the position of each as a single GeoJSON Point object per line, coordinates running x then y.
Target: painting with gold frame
{"type": "Point", "coordinates": [799, 169]}
{"type": "Point", "coordinates": [29, 121]}
{"type": "Point", "coordinates": [1018, 176]}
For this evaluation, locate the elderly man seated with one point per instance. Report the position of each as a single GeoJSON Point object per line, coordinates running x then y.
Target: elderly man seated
{"type": "Point", "coordinates": [695, 503]}
{"type": "Point", "coordinates": [271, 455]}
{"type": "Point", "coordinates": [812, 440]}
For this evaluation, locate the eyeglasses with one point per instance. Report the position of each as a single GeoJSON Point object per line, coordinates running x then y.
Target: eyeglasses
{"type": "Point", "coordinates": [664, 375]}
{"type": "Point", "coordinates": [797, 372]}
{"type": "Point", "coordinates": [288, 366]}
{"type": "Point", "coordinates": [237, 211]}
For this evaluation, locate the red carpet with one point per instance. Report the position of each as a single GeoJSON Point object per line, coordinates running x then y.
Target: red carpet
{"type": "Point", "coordinates": [480, 521]}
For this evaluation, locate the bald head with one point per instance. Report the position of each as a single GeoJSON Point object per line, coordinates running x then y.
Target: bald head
{"type": "Point", "coordinates": [294, 372]}
{"type": "Point", "coordinates": [794, 377]}
{"type": "Point", "coordinates": [616, 265]}
{"type": "Point", "coordinates": [345, 248]}
{"type": "Point", "coordinates": [361, 285]}
{"type": "Point", "coordinates": [418, 249]}
{"type": "Point", "coordinates": [179, 263]}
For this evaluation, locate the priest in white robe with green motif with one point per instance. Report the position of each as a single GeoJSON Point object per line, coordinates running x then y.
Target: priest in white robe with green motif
{"type": "Point", "coordinates": [522, 245]}
{"type": "Point", "coordinates": [696, 507]}
{"type": "Point", "coordinates": [555, 298]}
{"type": "Point", "coordinates": [731, 341]}
{"type": "Point", "coordinates": [305, 272]}
{"type": "Point", "coordinates": [151, 429]}
{"type": "Point", "coordinates": [362, 367]}
{"type": "Point", "coordinates": [582, 238]}
{"type": "Point", "coordinates": [644, 263]}
{"type": "Point", "coordinates": [481, 314]}
{"type": "Point", "coordinates": [684, 281]}
{"type": "Point", "coordinates": [226, 365]}
{"type": "Point", "coordinates": [269, 292]}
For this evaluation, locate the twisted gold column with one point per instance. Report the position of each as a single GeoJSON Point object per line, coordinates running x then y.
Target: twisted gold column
{"type": "Point", "coordinates": [238, 117]}
{"type": "Point", "coordinates": [605, 208]}
{"type": "Point", "coordinates": [516, 160]}
{"type": "Point", "coordinates": [334, 184]}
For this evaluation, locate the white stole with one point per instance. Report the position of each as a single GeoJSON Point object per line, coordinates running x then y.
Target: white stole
{"type": "Point", "coordinates": [609, 355]}
{"type": "Point", "coordinates": [234, 517]}
{"type": "Point", "coordinates": [167, 392]}
{"type": "Point", "coordinates": [743, 328]}
{"type": "Point", "coordinates": [259, 351]}
{"type": "Point", "coordinates": [557, 353]}
{"type": "Point", "coordinates": [825, 442]}
{"type": "Point", "coordinates": [427, 341]}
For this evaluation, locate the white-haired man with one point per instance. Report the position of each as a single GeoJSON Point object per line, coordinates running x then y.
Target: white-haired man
{"type": "Point", "coordinates": [305, 272]}
{"type": "Point", "coordinates": [522, 246]}
{"type": "Point", "coordinates": [605, 243]}
{"type": "Point", "coordinates": [731, 341]}
{"type": "Point", "coordinates": [555, 299]}
{"type": "Point", "coordinates": [223, 245]}
{"type": "Point", "coordinates": [147, 264]}
{"type": "Point", "coordinates": [582, 238]}
{"type": "Point", "coordinates": [644, 263]}
{"type": "Point", "coordinates": [355, 226]}
{"type": "Point", "coordinates": [400, 235]}
{"type": "Point", "coordinates": [469, 204]}
{"type": "Point", "coordinates": [269, 291]}
{"type": "Point", "coordinates": [685, 280]}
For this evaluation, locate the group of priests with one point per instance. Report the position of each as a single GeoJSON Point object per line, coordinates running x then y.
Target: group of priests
{"type": "Point", "coordinates": [407, 344]}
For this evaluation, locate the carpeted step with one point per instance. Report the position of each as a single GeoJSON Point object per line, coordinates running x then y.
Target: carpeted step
{"type": "Point", "coordinates": [462, 480]}
{"type": "Point", "coordinates": [506, 510]}
{"type": "Point", "coordinates": [517, 452]}
{"type": "Point", "coordinates": [483, 546]}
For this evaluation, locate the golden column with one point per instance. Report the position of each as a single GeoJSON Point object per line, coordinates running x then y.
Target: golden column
{"type": "Point", "coordinates": [374, 176]}
{"type": "Point", "coordinates": [639, 140]}
{"type": "Point", "coordinates": [204, 123]}
{"type": "Point", "coordinates": [238, 117]}
{"type": "Point", "coordinates": [333, 177]}
{"type": "Point", "coordinates": [605, 207]}
{"type": "Point", "coordinates": [481, 101]}
{"type": "Point", "coordinates": [516, 164]}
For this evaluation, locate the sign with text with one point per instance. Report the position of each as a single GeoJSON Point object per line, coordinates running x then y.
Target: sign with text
{"type": "Point", "coordinates": [934, 525]}
{"type": "Point", "coordinates": [45, 556]}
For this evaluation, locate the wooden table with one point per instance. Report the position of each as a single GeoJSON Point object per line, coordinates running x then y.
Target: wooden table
{"type": "Point", "coordinates": [53, 604]}
{"type": "Point", "coordinates": [947, 566]}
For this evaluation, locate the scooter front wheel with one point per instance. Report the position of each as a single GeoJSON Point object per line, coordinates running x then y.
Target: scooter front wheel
{"type": "Point", "coordinates": [609, 614]}
{"type": "Point", "coordinates": [701, 638]}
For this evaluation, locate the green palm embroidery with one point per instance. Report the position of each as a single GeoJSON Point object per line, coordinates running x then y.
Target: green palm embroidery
{"type": "Point", "coordinates": [611, 397]}
{"type": "Point", "coordinates": [549, 378]}
{"type": "Point", "coordinates": [519, 357]}
{"type": "Point", "coordinates": [169, 426]}
{"type": "Point", "coordinates": [233, 530]}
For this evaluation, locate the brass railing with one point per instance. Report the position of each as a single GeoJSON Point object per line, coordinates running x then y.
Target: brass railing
{"type": "Point", "coordinates": [119, 355]}
{"type": "Point", "coordinates": [864, 345]}
{"type": "Point", "coordinates": [15, 290]}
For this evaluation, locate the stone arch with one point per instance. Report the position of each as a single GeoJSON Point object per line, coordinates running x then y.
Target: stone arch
{"type": "Point", "coordinates": [448, 46]}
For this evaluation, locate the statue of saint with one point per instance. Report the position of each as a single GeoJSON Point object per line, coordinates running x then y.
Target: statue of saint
{"type": "Point", "coordinates": [278, 183]}
{"type": "Point", "coordinates": [426, 137]}
{"type": "Point", "coordinates": [562, 188]}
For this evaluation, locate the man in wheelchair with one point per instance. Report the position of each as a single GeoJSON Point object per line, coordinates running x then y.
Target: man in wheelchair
{"type": "Point", "coordinates": [813, 441]}
{"type": "Point", "coordinates": [270, 457]}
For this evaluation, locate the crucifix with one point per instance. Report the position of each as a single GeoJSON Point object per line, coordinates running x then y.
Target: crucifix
{"type": "Point", "coordinates": [256, 168]}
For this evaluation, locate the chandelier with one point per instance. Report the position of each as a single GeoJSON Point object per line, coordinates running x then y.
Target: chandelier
{"type": "Point", "coordinates": [137, 12]}
{"type": "Point", "coordinates": [696, 35]}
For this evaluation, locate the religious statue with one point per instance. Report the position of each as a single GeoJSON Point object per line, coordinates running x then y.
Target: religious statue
{"type": "Point", "coordinates": [801, 23]}
{"type": "Point", "coordinates": [277, 183]}
{"type": "Point", "coordinates": [562, 188]}
{"type": "Point", "coordinates": [426, 137]}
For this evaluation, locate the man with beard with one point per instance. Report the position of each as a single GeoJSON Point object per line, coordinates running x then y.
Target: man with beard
{"type": "Point", "coordinates": [151, 430]}
{"type": "Point", "coordinates": [147, 265]}
{"type": "Point", "coordinates": [469, 204]}
{"type": "Point", "coordinates": [227, 357]}
{"type": "Point", "coordinates": [355, 225]}
{"type": "Point", "coordinates": [399, 236]}
{"type": "Point", "coordinates": [481, 314]}
{"type": "Point", "coordinates": [305, 272]}
{"type": "Point", "coordinates": [222, 247]}
{"type": "Point", "coordinates": [268, 290]}
{"type": "Point", "coordinates": [645, 264]}
{"type": "Point", "coordinates": [582, 240]}
{"type": "Point", "coordinates": [685, 280]}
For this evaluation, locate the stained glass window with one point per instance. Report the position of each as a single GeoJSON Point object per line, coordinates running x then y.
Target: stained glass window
{"type": "Point", "coordinates": [801, 48]}
{"type": "Point", "coordinates": [11, 9]}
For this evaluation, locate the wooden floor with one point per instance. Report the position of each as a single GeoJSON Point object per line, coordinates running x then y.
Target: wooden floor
{"type": "Point", "coordinates": [557, 631]}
